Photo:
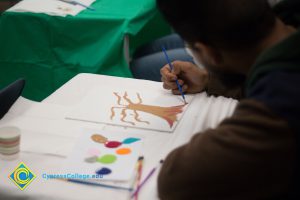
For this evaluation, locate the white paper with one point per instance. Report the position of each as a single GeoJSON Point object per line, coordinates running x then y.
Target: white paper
{"type": "Point", "coordinates": [50, 7]}
{"type": "Point", "coordinates": [122, 169]}
{"type": "Point", "coordinates": [42, 143]}
{"type": "Point", "coordinates": [147, 110]}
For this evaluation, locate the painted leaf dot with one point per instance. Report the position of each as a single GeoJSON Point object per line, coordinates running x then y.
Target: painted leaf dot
{"type": "Point", "coordinates": [107, 159]}
{"type": "Point", "coordinates": [99, 138]}
{"type": "Point", "coordinates": [93, 152]}
{"type": "Point", "coordinates": [92, 159]}
{"type": "Point", "coordinates": [112, 144]}
{"type": "Point", "coordinates": [130, 140]}
{"type": "Point", "coordinates": [103, 171]}
{"type": "Point", "coordinates": [123, 151]}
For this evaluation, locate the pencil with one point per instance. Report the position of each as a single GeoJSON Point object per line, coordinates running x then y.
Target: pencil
{"type": "Point", "coordinates": [146, 179]}
{"type": "Point", "coordinates": [171, 68]}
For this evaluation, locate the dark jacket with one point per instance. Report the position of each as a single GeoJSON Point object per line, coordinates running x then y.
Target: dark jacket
{"type": "Point", "coordinates": [255, 153]}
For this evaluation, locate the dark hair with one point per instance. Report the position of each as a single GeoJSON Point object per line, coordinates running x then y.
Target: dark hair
{"type": "Point", "coordinates": [228, 24]}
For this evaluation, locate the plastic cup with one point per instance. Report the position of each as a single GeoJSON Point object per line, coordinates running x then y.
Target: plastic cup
{"type": "Point", "coordinates": [10, 138]}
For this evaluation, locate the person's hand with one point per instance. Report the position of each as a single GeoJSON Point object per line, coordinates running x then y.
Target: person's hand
{"type": "Point", "coordinates": [190, 77]}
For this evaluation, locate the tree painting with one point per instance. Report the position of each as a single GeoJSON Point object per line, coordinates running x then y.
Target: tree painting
{"type": "Point", "coordinates": [167, 113]}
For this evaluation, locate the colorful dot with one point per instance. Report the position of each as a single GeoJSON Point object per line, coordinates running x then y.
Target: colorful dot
{"type": "Point", "coordinates": [107, 159]}
{"type": "Point", "coordinates": [99, 138]}
{"type": "Point", "coordinates": [103, 171]}
{"type": "Point", "coordinates": [112, 144]}
{"type": "Point", "coordinates": [123, 151]}
{"type": "Point", "coordinates": [130, 140]}
{"type": "Point", "coordinates": [91, 159]}
{"type": "Point", "coordinates": [93, 152]}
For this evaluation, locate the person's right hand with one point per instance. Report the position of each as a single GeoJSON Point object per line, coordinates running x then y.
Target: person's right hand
{"type": "Point", "coordinates": [192, 78]}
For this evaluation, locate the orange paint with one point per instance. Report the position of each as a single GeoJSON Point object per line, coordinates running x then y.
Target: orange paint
{"type": "Point", "coordinates": [123, 151]}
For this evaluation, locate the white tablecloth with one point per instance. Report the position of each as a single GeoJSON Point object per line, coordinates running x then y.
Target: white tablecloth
{"type": "Point", "coordinates": [47, 138]}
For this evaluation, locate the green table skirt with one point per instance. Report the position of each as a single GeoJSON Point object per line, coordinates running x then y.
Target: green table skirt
{"type": "Point", "coordinates": [48, 50]}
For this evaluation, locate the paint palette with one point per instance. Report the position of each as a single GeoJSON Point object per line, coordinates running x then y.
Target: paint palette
{"type": "Point", "coordinates": [111, 156]}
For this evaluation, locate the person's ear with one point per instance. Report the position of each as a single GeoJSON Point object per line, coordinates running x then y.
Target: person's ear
{"type": "Point", "coordinates": [211, 54]}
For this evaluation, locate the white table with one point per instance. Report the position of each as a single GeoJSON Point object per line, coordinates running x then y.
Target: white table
{"type": "Point", "coordinates": [48, 138]}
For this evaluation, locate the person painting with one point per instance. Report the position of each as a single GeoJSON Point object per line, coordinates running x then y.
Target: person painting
{"type": "Point", "coordinates": [252, 53]}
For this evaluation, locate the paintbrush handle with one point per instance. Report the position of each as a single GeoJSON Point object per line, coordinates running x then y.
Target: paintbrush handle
{"type": "Point", "coordinates": [143, 182]}
{"type": "Point", "coordinates": [171, 68]}
{"type": "Point", "coordinates": [99, 184]}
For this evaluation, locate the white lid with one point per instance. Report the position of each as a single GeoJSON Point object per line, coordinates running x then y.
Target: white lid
{"type": "Point", "coordinates": [9, 133]}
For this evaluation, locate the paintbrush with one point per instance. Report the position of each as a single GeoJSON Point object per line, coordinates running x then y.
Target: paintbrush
{"type": "Point", "coordinates": [96, 184]}
{"type": "Point", "coordinates": [171, 68]}
{"type": "Point", "coordinates": [140, 167]}
{"type": "Point", "coordinates": [146, 179]}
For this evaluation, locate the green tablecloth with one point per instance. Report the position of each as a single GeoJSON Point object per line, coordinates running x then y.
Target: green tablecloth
{"type": "Point", "coordinates": [47, 51]}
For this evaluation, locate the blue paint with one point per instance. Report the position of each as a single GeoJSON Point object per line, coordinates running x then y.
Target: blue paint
{"type": "Point", "coordinates": [103, 171]}
{"type": "Point", "coordinates": [130, 140]}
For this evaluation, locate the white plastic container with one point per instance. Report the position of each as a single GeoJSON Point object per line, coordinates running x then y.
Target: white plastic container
{"type": "Point", "coordinates": [10, 139]}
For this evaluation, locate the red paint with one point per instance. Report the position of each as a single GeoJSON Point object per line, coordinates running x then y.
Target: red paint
{"type": "Point", "coordinates": [112, 144]}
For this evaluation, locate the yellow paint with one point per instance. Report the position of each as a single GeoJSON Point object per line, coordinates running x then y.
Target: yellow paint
{"type": "Point", "coordinates": [99, 138]}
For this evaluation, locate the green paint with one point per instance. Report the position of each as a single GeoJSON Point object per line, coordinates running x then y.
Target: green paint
{"type": "Point", "coordinates": [107, 159]}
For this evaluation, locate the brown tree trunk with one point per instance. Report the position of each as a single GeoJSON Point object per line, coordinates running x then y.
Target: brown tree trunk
{"type": "Point", "coordinates": [167, 113]}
